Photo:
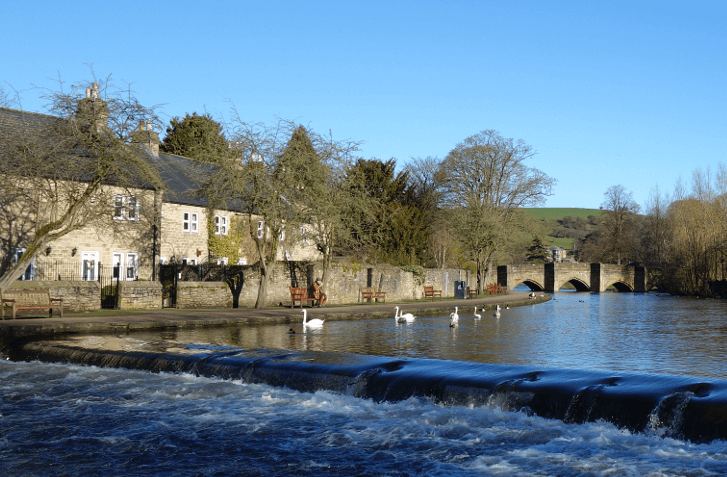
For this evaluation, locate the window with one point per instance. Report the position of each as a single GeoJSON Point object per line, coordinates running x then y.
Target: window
{"type": "Point", "coordinates": [304, 234]}
{"type": "Point", "coordinates": [29, 273]}
{"type": "Point", "coordinates": [132, 209]}
{"type": "Point", "coordinates": [282, 234]}
{"type": "Point", "coordinates": [119, 207]}
{"type": "Point", "coordinates": [190, 222]}
{"type": "Point", "coordinates": [220, 225]}
{"type": "Point", "coordinates": [132, 266]}
{"type": "Point", "coordinates": [126, 207]}
{"type": "Point", "coordinates": [89, 266]}
{"type": "Point", "coordinates": [260, 229]}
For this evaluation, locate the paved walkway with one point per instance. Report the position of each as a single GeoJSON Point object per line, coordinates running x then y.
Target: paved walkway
{"type": "Point", "coordinates": [121, 321]}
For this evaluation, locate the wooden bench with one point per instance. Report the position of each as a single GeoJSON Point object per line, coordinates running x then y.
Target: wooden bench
{"type": "Point", "coordinates": [430, 292]}
{"type": "Point", "coordinates": [494, 289]}
{"type": "Point", "coordinates": [300, 295]}
{"type": "Point", "coordinates": [372, 295]}
{"type": "Point", "coordinates": [30, 300]}
{"type": "Point", "coordinates": [471, 293]}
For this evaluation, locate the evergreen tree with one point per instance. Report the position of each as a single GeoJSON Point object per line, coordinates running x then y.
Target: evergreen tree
{"type": "Point", "coordinates": [397, 230]}
{"type": "Point", "coordinates": [196, 137]}
{"type": "Point", "coordinates": [537, 252]}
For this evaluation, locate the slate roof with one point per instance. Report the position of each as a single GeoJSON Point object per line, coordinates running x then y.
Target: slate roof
{"type": "Point", "coordinates": [179, 175]}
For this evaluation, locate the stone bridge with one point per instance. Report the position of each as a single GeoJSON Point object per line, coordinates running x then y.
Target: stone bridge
{"type": "Point", "coordinates": [595, 277]}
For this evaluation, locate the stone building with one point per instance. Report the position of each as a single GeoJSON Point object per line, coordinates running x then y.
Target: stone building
{"type": "Point", "coordinates": [143, 226]}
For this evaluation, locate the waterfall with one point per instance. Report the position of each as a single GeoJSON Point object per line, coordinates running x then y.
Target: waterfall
{"type": "Point", "coordinates": [666, 405]}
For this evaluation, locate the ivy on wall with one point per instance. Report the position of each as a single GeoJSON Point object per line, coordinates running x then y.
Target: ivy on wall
{"type": "Point", "coordinates": [417, 271]}
{"type": "Point", "coordinates": [230, 245]}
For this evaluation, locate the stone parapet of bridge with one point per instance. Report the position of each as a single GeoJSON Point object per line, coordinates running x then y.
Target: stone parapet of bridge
{"type": "Point", "coordinates": [594, 277]}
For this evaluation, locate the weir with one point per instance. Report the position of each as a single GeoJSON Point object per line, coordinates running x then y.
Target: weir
{"type": "Point", "coordinates": [673, 406]}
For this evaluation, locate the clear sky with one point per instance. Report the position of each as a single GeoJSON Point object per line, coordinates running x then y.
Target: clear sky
{"type": "Point", "coordinates": [607, 92]}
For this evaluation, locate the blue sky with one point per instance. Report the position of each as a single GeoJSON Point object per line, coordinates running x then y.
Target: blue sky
{"type": "Point", "coordinates": [607, 92]}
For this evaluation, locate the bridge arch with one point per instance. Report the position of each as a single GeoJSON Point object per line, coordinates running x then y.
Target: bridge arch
{"type": "Point", "coordinates": [579, 284]}
{"type": "Point", "coordinates": [621, 286]}
{"type": "Point", "coordinates": [530, 283]}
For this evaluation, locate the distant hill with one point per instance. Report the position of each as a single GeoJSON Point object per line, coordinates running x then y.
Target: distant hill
{"type": "Point", "coordinates": [557, 213]}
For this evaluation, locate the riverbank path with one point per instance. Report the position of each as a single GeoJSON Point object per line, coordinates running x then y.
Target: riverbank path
{"type": "Point", "coordinates": [114, 321]}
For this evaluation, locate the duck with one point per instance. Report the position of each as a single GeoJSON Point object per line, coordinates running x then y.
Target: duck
{"type": "Point", "coordinates": [403, 317]}
{"type": "Point", "coordinates": [314, 323]}
{"type": "Point", "coordinates": [477, 315]}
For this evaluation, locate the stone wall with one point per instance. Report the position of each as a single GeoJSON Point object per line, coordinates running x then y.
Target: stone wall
{"type": "Point", "coordinates": [343, 284]}
{"type": "Point", "coordinates": [203, 295]}
{"type": "Point", "coordinates": [139, 295]}
{"type": "Point", "coordinates": [78, 296]}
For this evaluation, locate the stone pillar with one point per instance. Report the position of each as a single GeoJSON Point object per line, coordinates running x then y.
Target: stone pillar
{"type": "Point", "coordinates": [502, 272]}
{"type": "Point", "coordinates": [549, 277]}
{"type": "Point", "coordinates": [640, 279]}
{"type": "Point", "coordinates": [596, 281]}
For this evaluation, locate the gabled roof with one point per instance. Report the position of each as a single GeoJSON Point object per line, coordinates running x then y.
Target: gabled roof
{"type": "Point", "coordinates": [180, 175]}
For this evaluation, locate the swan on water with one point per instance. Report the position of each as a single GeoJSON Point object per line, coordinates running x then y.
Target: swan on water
{"type": "Point", "coordinates": [497, 311]}
{"type": "Point", "coordinates": [314, 323]}
{"type": "Point", "coordinates": [454, 317]}
{"type": "Point", "coordinates": [477, 315]}
{"type": "Point", "coordinates": [403, 317]}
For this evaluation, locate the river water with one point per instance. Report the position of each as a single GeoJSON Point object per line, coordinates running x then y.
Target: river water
{"type": "Point", "coordinates": [62, 419]}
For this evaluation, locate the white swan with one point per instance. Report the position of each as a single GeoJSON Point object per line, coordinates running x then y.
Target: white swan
{"type": "Point", "coordinates": [314, 323]}
{"type": "Point", "coordinates": [477, 315]}
{"type": "Point", "coordinates": [454, 318]}
{"type": "Point", "coordinates": [403, 317]}
{"type": "Point", "coordinates": [497, 311]}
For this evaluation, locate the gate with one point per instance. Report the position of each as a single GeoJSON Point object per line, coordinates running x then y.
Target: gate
{"type": "Point", "coordinates": [109, 281]}
{"type": "Point", "coordinates": [168, 279]}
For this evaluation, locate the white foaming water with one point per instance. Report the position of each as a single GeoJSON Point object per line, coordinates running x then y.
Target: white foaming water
{"type": "Point", "coordinates": [74, 420]}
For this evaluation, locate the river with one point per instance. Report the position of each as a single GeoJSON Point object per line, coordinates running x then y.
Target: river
{"type": "Point", "coordinates": [67, 419]}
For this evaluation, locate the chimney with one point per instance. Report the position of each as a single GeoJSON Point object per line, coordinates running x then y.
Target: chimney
{"type": "Point", "coordinates": [146, 138]}
{"type": "Point", "coordinates": [93, 110]}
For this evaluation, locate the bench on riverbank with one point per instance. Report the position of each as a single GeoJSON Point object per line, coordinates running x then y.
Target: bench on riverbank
{"type": "Point", "coordinates": [370, 294]}
{"type": "Point", "coordinates": [495, 289]}
{"type": "Point", "coordinates": [430, 292]}
{"type": "Point", "coordinates": [29, 300]}
{"type": "Point", "coordinates": [300, 295]}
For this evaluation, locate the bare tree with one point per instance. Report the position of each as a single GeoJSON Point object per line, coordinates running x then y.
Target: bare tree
{"type": "Point", "coordinates": [60, 171]}
{"type": "Point", "coordinates": [283, 178]}
{"type": "Point", "coordinates": [619, 220]}
{"type": "Point", "coordinates": [485, 180]}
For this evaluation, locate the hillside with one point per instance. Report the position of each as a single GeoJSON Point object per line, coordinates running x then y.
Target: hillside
{"type": "Point", "coordinates": [553, 217]}
{"type": "Point", "coordinates": [557, 213]}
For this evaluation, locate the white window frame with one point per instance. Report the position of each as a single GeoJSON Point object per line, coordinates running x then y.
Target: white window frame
{"type": "Point", "coordinates": [132, 266]}
{"type": "Point", "coordinates": [126, 207]}
{"type": "Point", "coordinates": [29, 273]}
{"type": "Point", "coordinates": [281, 238]}
{"type": "Point", "coordinates": [85, 256]}
{"type": "Point", "coordinates": [190, 222]}
{"type": "Point", "coordinates": [304, 234]}
{"type": "Point", "coordinates": [260, 229]}
{"type": "Point", "coordinates": [117, 259]}
{"type": "Point", "coordinates": [221, 225]}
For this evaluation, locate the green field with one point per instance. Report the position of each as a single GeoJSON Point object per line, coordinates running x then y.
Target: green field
{"type": "Point", "coordinates": [556, 213]}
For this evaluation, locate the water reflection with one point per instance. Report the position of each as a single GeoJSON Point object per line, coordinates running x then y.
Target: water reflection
{"type": "Point", "coordinates": [622, 332]}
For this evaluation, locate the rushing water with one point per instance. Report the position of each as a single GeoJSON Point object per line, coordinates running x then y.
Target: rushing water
{"type": "Point", "coordinates": [74, 420]}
